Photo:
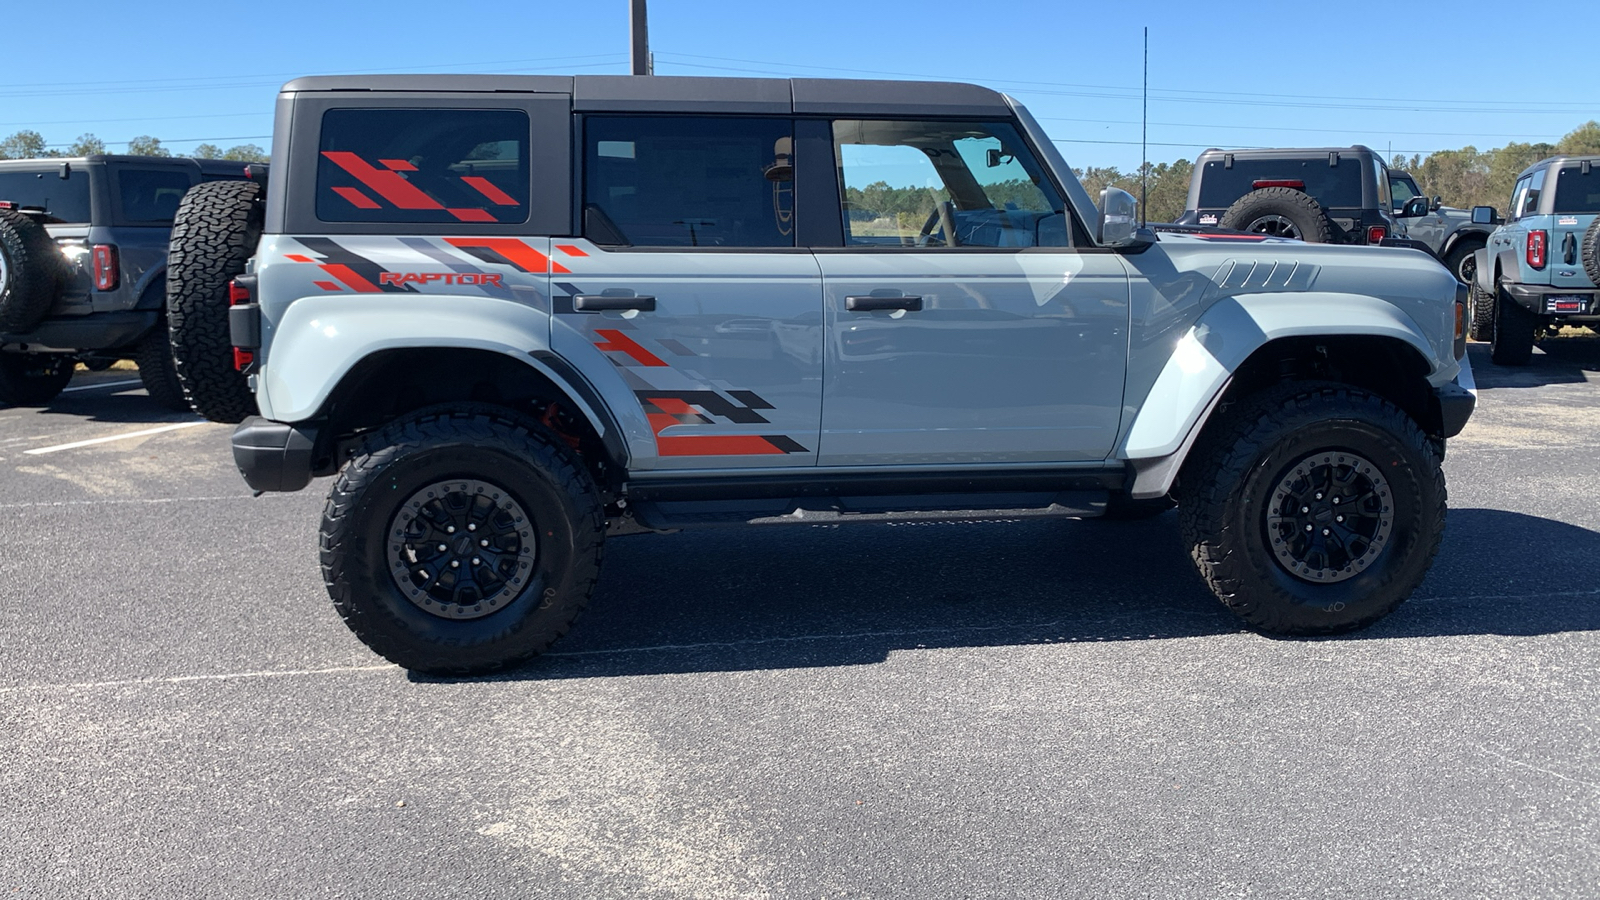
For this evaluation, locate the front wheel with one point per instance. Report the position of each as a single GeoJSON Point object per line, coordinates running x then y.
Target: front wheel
{"type": "Point", "coordinates": [1462, 260]}
{"type": "Point", "coordinates": [462, 541]}
{"type": "Point", "coordinates": [1313, 509]}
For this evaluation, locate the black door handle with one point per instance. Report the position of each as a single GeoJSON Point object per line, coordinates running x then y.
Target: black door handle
{"type": "Point", "coordinates": [604, 302]}
{"type": "Point", "coordinates": [870, 302]}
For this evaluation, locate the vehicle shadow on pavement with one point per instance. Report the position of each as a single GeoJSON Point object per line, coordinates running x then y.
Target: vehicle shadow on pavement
{"type": "Point", "coordinates": [798, 597]}
{"type": "Point", "coordinates": [1563, 360]}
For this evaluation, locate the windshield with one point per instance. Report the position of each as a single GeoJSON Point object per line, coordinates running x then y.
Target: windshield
{"type": "Point", "coordinates": [65, 199]}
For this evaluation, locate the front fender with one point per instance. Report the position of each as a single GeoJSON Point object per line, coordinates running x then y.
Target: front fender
{"type": "Point", "coordinates": [1226, 334]}
{"type": "Point", "coordinates": [319, 339]}
{"type": "Point", "coordinates": [1484, 277]}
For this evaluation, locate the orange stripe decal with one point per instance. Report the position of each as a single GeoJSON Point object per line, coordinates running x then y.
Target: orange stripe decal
{"type": "Point", "coordinates": [618, 342]}
{"type": "Point", "coordinates": [511, 250]}
{"type": "Point", "coordinates": [487, 188]}
{"type": "Point", "coordinates": [351, 280]}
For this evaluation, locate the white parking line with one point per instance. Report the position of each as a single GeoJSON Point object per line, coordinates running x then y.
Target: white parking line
{"type": "Point", "coordinates": [96, 387]}
{"type": "Point", "coordinates": [115, 437]}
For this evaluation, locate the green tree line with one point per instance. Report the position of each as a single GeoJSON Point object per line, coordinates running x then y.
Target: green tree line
{"type": "Point", "coordinates": [31, 145]}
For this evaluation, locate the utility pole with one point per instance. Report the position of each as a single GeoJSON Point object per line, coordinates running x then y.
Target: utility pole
{"type": "Point", "coordinates": [1144, 134]}
{"type": "Point", "coordinates": [639, 37]}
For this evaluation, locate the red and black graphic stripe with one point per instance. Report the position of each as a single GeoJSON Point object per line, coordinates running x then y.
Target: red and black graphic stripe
{"type": "Point", "coordinates": [667, 408]}
{"type": "Point", "coordinates": [508, 252]}
{"type": "Point", "coordinates": [352, 270]}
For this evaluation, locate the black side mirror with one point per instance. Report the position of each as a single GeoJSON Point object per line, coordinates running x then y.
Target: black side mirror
{"type": "Point", "coordinates": [1416, 206]}
{"type": "Point", "coordinates": [1434, 206]}
{"type": "Point", "coordinates": [1484, 215]}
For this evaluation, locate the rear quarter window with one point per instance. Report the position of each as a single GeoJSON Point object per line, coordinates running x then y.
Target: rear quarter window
{"type": "Point", "coordinates": [65, 199]}
{"type": "Point", "coordinates": [1577, 192]}
{"type": "Point", "coordinates": [423, 166]}
{"type": "Point", "coordinates": [1332, 186]}
{"type": "Point", "coordinates": [151, 196]}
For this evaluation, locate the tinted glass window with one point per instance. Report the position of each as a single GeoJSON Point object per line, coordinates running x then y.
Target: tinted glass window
{"type": "Point", "coordinates": [67, 200]}
{"type": "Point", "coordinates": [690, 182]}
{"type": "Point", "coordinates": [423, 165]}
{"type": "Point", "coordinates": [1402, 189]}
{"type": "Point", "coordinates": [151, 195]}
{"type": "Point", "coordinates": [928, 184]}
{"type": "Point", "coordinates": [1577, 192]}
{"type": "Point", "coordinates": [1333, 186]}
{"type": "Point", "coordinates": [1518, 191]}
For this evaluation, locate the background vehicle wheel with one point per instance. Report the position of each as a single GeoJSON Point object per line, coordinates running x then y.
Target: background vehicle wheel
{"type": "Point", "coordinates": [1514, 328]}
{"type": "Point", "coordinates": [1280, 212]}
{"type": "Point", "coordinates": [30, 272]}
{"type": "Point", "coordinates": [1589, 252]}
{"type": "Point", "coordinates": [461, 541]}
{"type": "Point", "coordinates": [29, 379]}
{"type": "Point", "coordinates": [1480, 314]}
{"type": "Point", "coordinates": [1314, 508]}
{"type": "Point", "coordinates": [216, 230]}
{"type": "Point", "coordinates": [1461, 260]}
{"type": "Point", "coordinates": [153, 356]}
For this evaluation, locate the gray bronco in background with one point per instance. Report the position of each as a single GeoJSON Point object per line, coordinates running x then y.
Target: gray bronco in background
{"type": "Point", "coordinates": [515, 315]}
{"type": "Point", "coordinates": [83, 260]}
{"type": "Point", "coordinates": [1453, 235]}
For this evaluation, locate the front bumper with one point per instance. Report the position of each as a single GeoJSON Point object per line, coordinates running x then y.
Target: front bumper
{"type": "Point", "coordinates": [1457, 400]}
{"type": "Point", "coordinates": [1544, 300]}
{"type": "Point", "coordinates": [274, 456]}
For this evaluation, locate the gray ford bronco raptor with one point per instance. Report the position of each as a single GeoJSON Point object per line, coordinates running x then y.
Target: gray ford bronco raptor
{"type": "Point", "coordinates": [515, 315]}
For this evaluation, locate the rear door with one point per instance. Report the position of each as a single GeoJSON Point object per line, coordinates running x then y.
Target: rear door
{"type": "Point", "coordinates": [963, 325]}
{"type": "Point", "coordinates": [687, 289]}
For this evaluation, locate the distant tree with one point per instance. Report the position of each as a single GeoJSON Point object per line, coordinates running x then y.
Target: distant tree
{"type": "Point", "coordinates": [207, 151]}
{"type": "Point", "coordinates": [1581, 141]}
{"type": "Point", "coordinates": [246, 153]}
{"type": "Point", "coordinates": [23, 145]}
{"type": "Point", "coordinates": [86, 145]}
{"type": "Point", "coordinates": [145, 145]}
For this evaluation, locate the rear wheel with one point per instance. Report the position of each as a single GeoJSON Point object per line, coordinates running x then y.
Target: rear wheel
{"type": "Point", "coordinates": [30, 271]}
{"type": "Point", "coordinates": [30, 379]}
{"type": "Point", "coordinates": [1480, 313]}
{"type": "Point", "coordinates": [153, 356]}
{"type": "Point", "coordinates": [1511, 343]}
{"type": "Point", "coordinates": [1313, 508]}
{"type": "Point", "coordinates": [461, 541]}
{"type": "Point", "coordinates": [216, 230]}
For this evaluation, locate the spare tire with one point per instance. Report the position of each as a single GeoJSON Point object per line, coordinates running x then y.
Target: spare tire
{"type": "Point", "coordinates": [214, 233]}
{"type": "Point", "coordinates": [1280, 212]}
{"type": "Point", "coordinates": [1590, 252]}
{"type": "Point", "coordinates": [30, 272]}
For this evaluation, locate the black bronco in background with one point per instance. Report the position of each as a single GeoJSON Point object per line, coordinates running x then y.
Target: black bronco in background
{"type": "Point", "coordinates": [1330, 195]}
{"type": "Point", "coordinates": [83, 262]}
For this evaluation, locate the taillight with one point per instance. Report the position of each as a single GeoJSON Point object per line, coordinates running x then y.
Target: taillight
{"type": "Point", "coordinates": [1536, 244]}
{"type": "Point", "coordinates": [1376, 233]}
{"type": "Point", "coordinates": [105, 267]}
{"type": "Point", "coordinates": [238, 294]}
{"type": "Point", "coordinates": [242, 359]}
{"type": "Point", "coordinates": [1260, 183]}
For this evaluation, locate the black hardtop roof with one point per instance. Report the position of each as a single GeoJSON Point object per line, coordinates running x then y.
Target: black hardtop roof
{"type": "Point", "coordinates": [1550, 161]}
{"type": "Point", "coordinates": [1308, 152]}
{"type": "Point", "coordinates": [833, 96]}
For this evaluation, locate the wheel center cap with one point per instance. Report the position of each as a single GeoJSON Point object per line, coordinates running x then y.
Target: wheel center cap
{"type": "Point", "coordinates": [463, 545]}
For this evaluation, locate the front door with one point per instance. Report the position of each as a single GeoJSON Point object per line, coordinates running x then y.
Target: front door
{"type": "Point", "coordinates": [963, 325]}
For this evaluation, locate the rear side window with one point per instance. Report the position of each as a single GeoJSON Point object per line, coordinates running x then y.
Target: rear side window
{"type": "Point", "coordinates": [151, 196]}
{"type": "Point", "coordinates": [1332, 186]}
{"type": "Point", "coordinates": [423, 166]}
{"type": "Point", "coordinates": [699, 181]}
{"type": "Point", "coordinates": [1577, 192]}
{"type": "Point", "coordinates": [65, 199]}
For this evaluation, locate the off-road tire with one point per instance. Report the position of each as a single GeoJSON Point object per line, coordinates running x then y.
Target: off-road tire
{"type": "Point", "coordinates": [1589, 252]}
{"type": "Point", "coordinates": [216, 230]}
{"type": "Point", "coordinates": [32, 379]}
{"type": "Point", "coordinates": [1512, 337]}
{"type": "Point", "coordinates": [480, 445]}
{"type": "Point", "coordinates": [1461, 256]}
{"type": "Point", "coordinates": [1226, 492]}
{"type": "Point", "coordinates": [1252, 212]}
{"type": "Point", "coordinates": [1480, 313]}
{"type": "Point", "coordinates": [153, 356]}
{"type": "Point", "coordinates": [30, 272]}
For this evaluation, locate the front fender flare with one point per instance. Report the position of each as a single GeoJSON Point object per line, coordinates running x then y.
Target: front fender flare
{"type": "Point", "coordinates": [318, 340]}
{"type": "Point", "coordinates": [1205, 358]}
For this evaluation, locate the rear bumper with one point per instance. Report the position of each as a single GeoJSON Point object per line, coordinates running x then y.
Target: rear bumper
{"type": "Point", "coordinates": [1544, 300]}
{"type": "Point", "coordinates": [98, 331]}
{"type": "Point", "coordinates": [273, 456]}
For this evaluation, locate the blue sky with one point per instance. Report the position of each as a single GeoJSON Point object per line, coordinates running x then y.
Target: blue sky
{"type": "Point", "coordinates": [1226, 75]}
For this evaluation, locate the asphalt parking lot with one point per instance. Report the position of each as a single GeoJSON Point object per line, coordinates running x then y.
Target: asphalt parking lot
{"type": "Point", "coordinates": [1021, 709]}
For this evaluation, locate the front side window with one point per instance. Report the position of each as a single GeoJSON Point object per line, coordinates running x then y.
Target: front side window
{"type": "Point", "coordinates": [1402, 190]}
{"type": "Point", "coordinates": [423, 166]}
{"type": "Point", "coordinates": [151, 195]}
{"type": "Point", "coordinates": [690, 181]}
{"type": "Point", "coordinates": [930, 184]}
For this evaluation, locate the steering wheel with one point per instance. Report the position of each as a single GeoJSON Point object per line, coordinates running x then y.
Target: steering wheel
{"type": "Point", "coordinates": [944, 217]}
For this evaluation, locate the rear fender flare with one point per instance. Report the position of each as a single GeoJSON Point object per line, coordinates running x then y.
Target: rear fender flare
{"type": "Point", "coordinates": [1204, 360]}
